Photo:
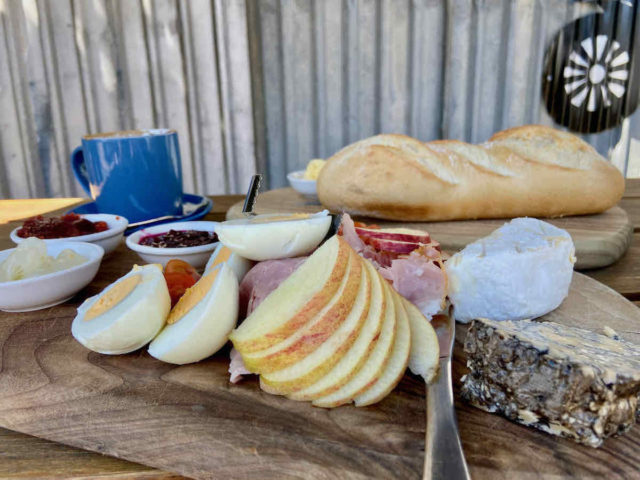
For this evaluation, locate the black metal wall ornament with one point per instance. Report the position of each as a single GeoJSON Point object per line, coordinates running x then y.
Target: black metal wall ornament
{"type": "Point", "coordinates": [591, 76]}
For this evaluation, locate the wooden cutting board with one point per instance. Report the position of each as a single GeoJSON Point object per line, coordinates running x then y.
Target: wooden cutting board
{"type": "Point", "coordinates": [190, 420]}
{"type": "Point", "coordinates": [600, 239]}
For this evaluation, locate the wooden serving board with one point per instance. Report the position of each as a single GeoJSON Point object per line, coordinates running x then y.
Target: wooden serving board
{"type": "Point", "coordinates": [190, 420]}
{"type": "Point", "coordinates": [600, 239]}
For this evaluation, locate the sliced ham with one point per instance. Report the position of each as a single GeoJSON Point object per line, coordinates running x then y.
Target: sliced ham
{"type": "Point", "coordinates": [418, 276]}
{"type": "Point", "coordinates": [236, 367]}
{"type": "Point", "coordinates": [256, 285]}
{"type": "Point", "coordinates": [420, 280]}
{"type": "Point", "coordinates": [348, 232]}
{"type": "Point", "coordinates": [263, 279]}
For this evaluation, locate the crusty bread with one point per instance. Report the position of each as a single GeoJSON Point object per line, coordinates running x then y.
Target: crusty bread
{"type": "Point", "coordinates": [532, 170]}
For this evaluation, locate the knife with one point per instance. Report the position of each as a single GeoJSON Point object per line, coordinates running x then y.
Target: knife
{"type": "Point", "coordinates": [444, 457]}
{"type": "Point", "coordinates": [252, 195]}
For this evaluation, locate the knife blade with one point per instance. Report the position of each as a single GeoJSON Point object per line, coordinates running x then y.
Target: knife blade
{"type": "Point", "coordinates": [252, 195]}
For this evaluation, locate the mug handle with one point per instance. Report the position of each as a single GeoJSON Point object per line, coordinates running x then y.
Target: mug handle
{"type": "Point", "coordinates": [80, 169]}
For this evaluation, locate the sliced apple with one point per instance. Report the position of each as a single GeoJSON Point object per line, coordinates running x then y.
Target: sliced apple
{"type": "Point", "coordinates": [397, 364]}
{"type": "Point", "coordinates": [360, 349]}
{"type": "Point", "coordinates": [400, 234]}
{"type": "Point", "coordinates": [296, 300]}
{"type": "Point", "coordinates": [395, 246]}
{"type": "Point", "coordinates": [315, 332]}
{"type": "Point", "coordinates": [375, 364]}
{"type": "Point", "coordinates": [425, 351]}
{"type": "Point", "coordinates": [316, 364]}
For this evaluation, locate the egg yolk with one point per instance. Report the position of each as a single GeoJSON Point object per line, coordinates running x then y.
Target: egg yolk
{"type": "Point", "coordinates": [223, 256]}
{"type": "Point", "coordinates": [113, 296]}
{"type": "Point", "coordinates": [280, 218]}
{"type": "Point", "coordinates": [192, 296]}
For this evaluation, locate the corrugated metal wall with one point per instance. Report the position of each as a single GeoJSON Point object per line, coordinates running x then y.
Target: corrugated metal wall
{"type": "Point", "coordinates": [69, 67]}
{"type": "Point", "coordinates": [267, 84]}
{"type": "Point", "coordinates": [336, 71]}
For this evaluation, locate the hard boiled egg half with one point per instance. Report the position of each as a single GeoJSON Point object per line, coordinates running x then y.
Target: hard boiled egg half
{"type": "Point", "coordinates": [276, 235]}
{"type": "Point", "coordinates": [200, 323]}
{"type": "Point", "coordinates": [223, 254]}
{"type": "Point", "coordinates": [126, 315]}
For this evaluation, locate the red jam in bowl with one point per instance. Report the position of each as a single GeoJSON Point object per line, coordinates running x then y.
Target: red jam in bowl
{"type": "Point", "coordinates": [69, 225]}
{"type": "Point", "coordinates": [178, 239]}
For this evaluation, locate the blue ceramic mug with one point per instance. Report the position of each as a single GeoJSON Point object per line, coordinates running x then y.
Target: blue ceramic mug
{"type": "Point", "coordinates": [135, 173]}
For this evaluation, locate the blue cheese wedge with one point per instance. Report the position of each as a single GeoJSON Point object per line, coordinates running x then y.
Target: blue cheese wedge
{"type": "Point", "coordinates": [563, 380]}
{"type": "Point", "coordinates": [522, 270]}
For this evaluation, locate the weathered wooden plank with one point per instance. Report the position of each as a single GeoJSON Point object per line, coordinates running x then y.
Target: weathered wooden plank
{"type": "Point", "coordinates": [162, 20]}
{"type": "Point", "coordinates": [235, 83]}
{"type": "Point", "coordinates": [66, 82]}
{"type": "Point", "coordinates": [458, 73]}
{"type": "Point", "coordinates": [189, 419]}
{"type": "Point", "coordinates": [43, 99]}
{"type": "Point", "coordinates": [298, 65]}
{"type": "Point", "coordinates": [363, 38]}
{"type": "Point", "coordinates": [518, 96]}
{"type": "Point", "coordinates": [203, 96]}
{"type": "Point", "coordinates": [303, 80]}
{"type": "Point", "coordinates": [269, 19]}
{"type": "Point", "coordinates": [31, 181]}
{"type": "Point", "coordinates": [14, 176]}
{"type": "Point", "coordinates": [26, 457]}
{"type": "Point", "coordinates": [330, 76]}
{"type": "Point", "coordinates": [99, 63]}
{"type": "Point", "coordinates": [623, 275]}
{"type": "Point", "coordinates": [395, 51]}
{"type": "Point", "coordinates": [490, 51]}
{"type": "Point", "coordinates": [133, 49]}
{"type": "Point", "coordinates": [427, 75]}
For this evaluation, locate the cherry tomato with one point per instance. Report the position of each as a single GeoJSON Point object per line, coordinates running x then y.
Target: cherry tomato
{"type": "Point", "coordinates": [180, 266]}
{"type": "Point", "coordinates": [179, 276]}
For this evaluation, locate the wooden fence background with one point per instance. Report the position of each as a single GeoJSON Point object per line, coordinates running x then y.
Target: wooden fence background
{"type": "Point", "coordinates": [266, 85]}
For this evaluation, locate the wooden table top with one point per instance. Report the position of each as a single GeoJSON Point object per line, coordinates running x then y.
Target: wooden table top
{"type": "Point", "coordinates": [25, 457]}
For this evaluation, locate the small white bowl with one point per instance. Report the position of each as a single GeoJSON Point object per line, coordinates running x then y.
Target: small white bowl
{"type": "Point", "coordinates": [195, 256]}
{"type": "Point", "coordinates": [53, 288]}
{"type": "Point", "coordinates": [108, 240]}
{"type": "Point", "coordinates": [302, 185]}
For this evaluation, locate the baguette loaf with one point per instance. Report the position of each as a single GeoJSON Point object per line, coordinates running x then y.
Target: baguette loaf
{"type": "Point", "coordinates": [532, 171]}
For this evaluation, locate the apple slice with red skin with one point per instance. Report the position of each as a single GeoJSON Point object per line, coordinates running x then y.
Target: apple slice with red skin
{"type": "Point", "coordinates": [398, 234]}
{"type": "Point", "coordinates": [395, 246]}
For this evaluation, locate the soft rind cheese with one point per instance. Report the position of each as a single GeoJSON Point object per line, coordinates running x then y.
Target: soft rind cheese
{"type": "Point", "coordinates": [522, 270]}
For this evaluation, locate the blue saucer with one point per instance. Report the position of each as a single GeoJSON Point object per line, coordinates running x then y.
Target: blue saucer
{"type": "Point", "coordinates": [190, 210]}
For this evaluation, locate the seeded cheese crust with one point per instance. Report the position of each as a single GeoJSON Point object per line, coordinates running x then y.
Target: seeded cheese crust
{"type": "Point", "coordinates": [532, 170]}
{"type": "Point", "coordinates": [563, 380]}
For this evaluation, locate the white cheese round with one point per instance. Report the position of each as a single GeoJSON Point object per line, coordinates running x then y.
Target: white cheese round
{"type": "Point", "coordinates": [522, 270]}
